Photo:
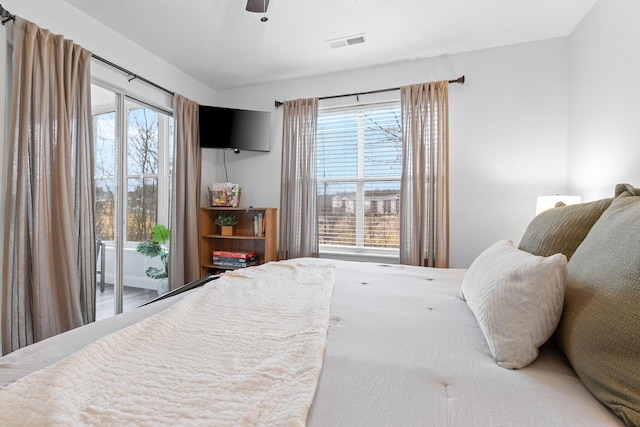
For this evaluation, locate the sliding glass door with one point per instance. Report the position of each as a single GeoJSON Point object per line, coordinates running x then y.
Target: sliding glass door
{"type": "Point", "coordinates": [133, 146]}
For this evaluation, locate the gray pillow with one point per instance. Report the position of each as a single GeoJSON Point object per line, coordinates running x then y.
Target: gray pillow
{"type": "Point", "coordinates": [561, 229]}
{"type": "Point", "coordinates": [599, 331]}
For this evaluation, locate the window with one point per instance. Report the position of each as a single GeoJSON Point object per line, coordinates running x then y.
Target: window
{"type": "Point", "coordinates": [147, 174]}
{"type": "Point", "coordinates": [105, 172]}
{"type": "Point", "coordinates": [148, 149]}
{"type": "Point", "coordinates": [359, 163]}
{"type": "Point", "coordinates": [133, 146]}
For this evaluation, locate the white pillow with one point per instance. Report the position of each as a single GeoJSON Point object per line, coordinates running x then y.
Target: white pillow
{"type": "Point", "coordinates": [517, 298]}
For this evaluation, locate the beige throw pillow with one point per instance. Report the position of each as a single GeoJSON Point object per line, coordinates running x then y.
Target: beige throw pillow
{"type": "Point", "coordinates": [517, 298]}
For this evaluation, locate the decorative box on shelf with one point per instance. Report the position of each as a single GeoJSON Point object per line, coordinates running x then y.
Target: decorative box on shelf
{"type": "Point", "coordinates": [224, 194]}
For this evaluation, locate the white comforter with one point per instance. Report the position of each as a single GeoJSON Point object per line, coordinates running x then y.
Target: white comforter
{"type": "Point", "coordinates": [218, 356]}
{"type": "Point", "coordinates": [403, 350]}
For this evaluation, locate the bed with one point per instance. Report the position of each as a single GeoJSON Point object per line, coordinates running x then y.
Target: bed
{"type": "Point", "coordinates": [405, 347]}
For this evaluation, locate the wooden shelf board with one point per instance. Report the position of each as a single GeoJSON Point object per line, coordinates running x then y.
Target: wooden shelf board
{"type": "Point", "coordinates": [235, 236]}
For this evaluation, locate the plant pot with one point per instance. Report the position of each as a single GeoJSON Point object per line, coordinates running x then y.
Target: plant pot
{"type": "Point", "coordinates": [226, 230]}
{"type": "Point", "coordinates": [162, 286]}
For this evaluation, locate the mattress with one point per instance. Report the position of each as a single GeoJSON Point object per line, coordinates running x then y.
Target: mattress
{"type": "Point", "coordinates": [403, 349]}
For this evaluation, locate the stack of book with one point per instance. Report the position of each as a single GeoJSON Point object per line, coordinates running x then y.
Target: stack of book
{"type": "Point", "coordinates": [234, 259]}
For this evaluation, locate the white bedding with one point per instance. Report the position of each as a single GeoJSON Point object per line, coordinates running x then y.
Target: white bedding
{"type": "Point", "coordinates": [215, 355]}
{"type": "Point", "coordinates": [402, 350]}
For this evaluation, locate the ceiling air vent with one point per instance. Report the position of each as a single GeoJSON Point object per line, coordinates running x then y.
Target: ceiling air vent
{"type": "Point", "coordinates": [346, 41]}
{"type": "Point", "coordinates": [355, 40]}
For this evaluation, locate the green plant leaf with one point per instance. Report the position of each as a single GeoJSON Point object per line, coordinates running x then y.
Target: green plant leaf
{"type": "Point", "coordinates": [156, 247]}
{"type": "Point", "coordinates": [156, 273]}
{"type": "Point", "coordinates": [150, 249]}
{"type": "Point", "coordinates": [226, 219]}
{"type": "Point", "coordinates": [160, 233]}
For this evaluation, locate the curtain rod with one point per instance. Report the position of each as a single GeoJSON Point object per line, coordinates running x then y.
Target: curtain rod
{"type": "Point", "coordinates": [278, 104]}
{"type": "Point", "coordinates": [132, 76]}
{"type": "Point", "coordinates": [7, 16]}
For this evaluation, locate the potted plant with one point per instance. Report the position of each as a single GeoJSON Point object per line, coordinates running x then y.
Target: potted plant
{"type": "Point", "coordinates": [157, 246]}
{"type": "Point", "coordinates": [226, 221]}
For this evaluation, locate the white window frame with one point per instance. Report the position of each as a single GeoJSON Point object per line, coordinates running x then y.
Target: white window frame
{"type": "Point", "coordinates": [359, 252]}
{"type": "Point", "coordinates": [121, 180]}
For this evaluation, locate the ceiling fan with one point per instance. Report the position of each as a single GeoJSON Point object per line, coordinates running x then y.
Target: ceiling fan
{"type": "Point", "coordinates": [259, 6]}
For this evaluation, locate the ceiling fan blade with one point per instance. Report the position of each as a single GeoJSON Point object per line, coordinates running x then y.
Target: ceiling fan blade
{"type": "Point", "coordinates": [259, 6]}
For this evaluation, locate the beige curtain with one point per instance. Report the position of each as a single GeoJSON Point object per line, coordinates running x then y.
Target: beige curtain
{"type": "Point", "coordinates": [49, 274]}
{"type": "Point", "coordinates": [424, 187]}
{"type": "Point", "coordinates": [184, 253]}
{"type": "Point", "coordinates": [298, 212]}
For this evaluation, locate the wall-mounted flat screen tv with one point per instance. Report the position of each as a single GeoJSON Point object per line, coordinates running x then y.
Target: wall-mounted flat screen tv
{"type": "Point", "coordinates": [233, 128]}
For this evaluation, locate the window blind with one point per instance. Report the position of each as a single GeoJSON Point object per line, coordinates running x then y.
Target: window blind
{"type": "Point", "coordinates": [359, 163]}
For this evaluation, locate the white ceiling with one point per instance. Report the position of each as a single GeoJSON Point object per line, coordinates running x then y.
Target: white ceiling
{"type": "Point", "coordinates": [223, 46]}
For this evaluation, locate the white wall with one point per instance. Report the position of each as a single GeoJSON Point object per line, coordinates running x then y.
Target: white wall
{"type": "Point", "coordinates": [604, 99]}
{"type": "Point", "coordinates": [62, 18]}
{"type": "Point", "coordinates": [508, 132]}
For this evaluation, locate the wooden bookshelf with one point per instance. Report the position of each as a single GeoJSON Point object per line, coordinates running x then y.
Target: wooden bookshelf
{"type": "Point", "coordinates": [243, 239]}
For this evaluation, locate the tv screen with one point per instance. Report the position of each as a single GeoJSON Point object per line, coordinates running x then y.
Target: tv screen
{"type": "Point", "coordinates": [233, 128]}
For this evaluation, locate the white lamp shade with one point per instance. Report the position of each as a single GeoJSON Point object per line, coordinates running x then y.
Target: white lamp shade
{"type": "Point", "coordinates": [548, 202]}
